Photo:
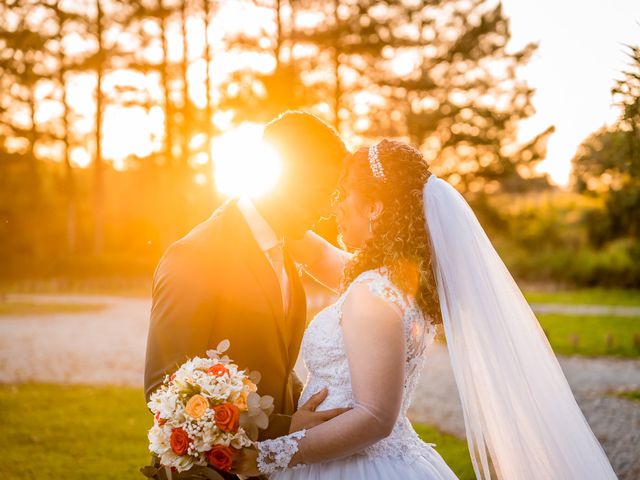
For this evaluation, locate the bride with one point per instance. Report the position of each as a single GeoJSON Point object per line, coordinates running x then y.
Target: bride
{"type": "Point", "coordinates": [421, 259]}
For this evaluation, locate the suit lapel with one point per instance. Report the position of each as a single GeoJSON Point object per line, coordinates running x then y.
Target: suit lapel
{"type": "Point", "coordinates": [297, 313]}
{"type": "Point", "coordinates": [259, 265]}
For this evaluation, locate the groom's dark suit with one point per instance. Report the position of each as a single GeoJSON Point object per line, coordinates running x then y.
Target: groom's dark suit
{"type": "Point", "coordinates": [216, 283]}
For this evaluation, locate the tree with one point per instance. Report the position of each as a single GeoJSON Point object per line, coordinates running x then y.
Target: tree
{"type": "Point", "coordinates": [65, 20]}
{"type": "Point", "coordinates": [23, 68]}
{"type": "Point", "coordinates": [626, 93]}
{"type": "Point", "coordinates": [255, 93]}
{"type": "Point", "coordinates": [607, 165]}
{"type": "Point", "coordinates": [462, 101]}
{"type": "Point", "coordinates": [437, 74]}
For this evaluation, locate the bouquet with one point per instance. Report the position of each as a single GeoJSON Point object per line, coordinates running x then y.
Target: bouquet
{"type": "Point", "coordinates": [204, 412]}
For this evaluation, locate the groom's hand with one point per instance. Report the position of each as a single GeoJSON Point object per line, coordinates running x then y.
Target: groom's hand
{"type": "Point", "coordinates": [306, 417]}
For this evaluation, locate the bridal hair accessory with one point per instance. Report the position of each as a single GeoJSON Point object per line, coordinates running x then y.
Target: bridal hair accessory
{"type": "Point", "coordinates": [374, 163]}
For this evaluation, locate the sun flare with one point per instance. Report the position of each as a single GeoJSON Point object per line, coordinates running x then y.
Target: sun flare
{"type": "Point", "coordinates": [245, 165]}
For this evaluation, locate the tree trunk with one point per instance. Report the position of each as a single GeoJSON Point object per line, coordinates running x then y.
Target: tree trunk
{"type": "Point", "coordinates": [185, 88]}
{"type": "Point", "coordinates": [33, 135]}
{"type": "Point", "coordinates": [278, 33]}
{"type": "Point", "coordinates": [70, 187]}
{"type": "Point", "coordinates": [164, 78]}
{"type": "Point", "coordinates": [209, 106]}
{"type": "Point", "coordinates": [98, 240]}
{"type": "Point", "coordinates": [337, 93]}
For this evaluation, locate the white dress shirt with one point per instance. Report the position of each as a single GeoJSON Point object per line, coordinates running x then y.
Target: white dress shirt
{"type": "Point", "coordinates": [268, 242]}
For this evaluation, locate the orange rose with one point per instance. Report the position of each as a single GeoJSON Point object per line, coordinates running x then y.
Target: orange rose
{"type": "Point", "coordinates": [196, 406]}
{"type": "Point", "coordinates": [227, 417]}
{"type": "Point", "coordinates": [220, 457]}
{"type": "Point", "coordinates": [218, 370]}
{"type": "Point", "coordinates": [179, 441]}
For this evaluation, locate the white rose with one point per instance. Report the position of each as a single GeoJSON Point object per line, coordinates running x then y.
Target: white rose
{"type": "Point", "coordinates": [159, 440]}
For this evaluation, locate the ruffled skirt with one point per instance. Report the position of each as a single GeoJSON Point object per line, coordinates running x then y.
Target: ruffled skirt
{"type": "Point", "coordinates": [428, 466]}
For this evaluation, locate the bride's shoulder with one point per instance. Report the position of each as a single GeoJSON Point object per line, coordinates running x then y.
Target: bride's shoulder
{"type": "Point", "coordinates": [374, 287]}
{"type": "Point", "coordinates": [373, 276]}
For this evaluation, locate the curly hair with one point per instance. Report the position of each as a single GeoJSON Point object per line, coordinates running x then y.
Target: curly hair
{"type": "Point", "coordinates": [399, 242]}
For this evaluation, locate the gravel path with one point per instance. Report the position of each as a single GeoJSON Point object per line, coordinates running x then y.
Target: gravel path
{"type": "Point", "coordinates": [104, 347]}
{"type": "Point", "coordinates": [108, 347]}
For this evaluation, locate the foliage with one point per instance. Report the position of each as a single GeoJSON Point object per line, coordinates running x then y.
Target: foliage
{"type": "Point", "coordinates": [438, 75]}
{"type": "Point", "coordinates": [607, 167]}
{"type": "Point", "coordinates": [604, 166]}
{"type": "Point", "coordinates": [545, 237]}
{"type": "Point", "coordinates": [334, 58]}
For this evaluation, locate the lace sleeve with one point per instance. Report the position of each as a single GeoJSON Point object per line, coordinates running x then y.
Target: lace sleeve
{"type": "Point", "coordinates": [276, 454]}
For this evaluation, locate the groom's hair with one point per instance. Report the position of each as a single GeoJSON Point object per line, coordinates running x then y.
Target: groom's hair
{"type": "Point", "coordinates": [303, 137]}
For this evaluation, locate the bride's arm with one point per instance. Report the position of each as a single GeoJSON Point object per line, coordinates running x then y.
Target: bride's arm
{"type": "Point", "coordinates": [374, 341]}
{"type": "Point", "coordinates": [320, 259]}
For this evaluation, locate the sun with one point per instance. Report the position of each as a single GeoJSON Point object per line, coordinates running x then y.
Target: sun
{"type": "Point", "coordinates": [244, 164]}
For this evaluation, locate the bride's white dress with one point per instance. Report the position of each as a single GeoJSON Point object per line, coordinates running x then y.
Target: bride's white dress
{"type": "Point", "coordinates": [340, 451]}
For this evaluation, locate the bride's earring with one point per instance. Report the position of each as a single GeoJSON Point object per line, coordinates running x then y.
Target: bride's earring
{"type": "Point", "coordinates": [370, 226]}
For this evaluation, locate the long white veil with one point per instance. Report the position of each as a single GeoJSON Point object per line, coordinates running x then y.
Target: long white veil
{"type": "Point", "coordinates": [520, 416]}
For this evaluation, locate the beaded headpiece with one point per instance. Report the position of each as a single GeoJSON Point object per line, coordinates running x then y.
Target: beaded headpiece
{"type": "Point", "coordinates": [374, 163]}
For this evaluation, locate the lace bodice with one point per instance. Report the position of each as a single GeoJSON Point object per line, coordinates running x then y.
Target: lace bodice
{"type": "Point", "coordinates": [325, 356]}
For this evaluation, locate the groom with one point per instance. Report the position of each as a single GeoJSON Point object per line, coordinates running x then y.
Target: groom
{"type": "Point", "coordinates": [232, 277]}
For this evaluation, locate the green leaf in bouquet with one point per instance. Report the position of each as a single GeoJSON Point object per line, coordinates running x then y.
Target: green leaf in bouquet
{"type": "Point", "coordinates": [223, 346]}
{"type": "Point", "coordinates": [187, 390]}
{"type": "Point", "coordinates": [255, 377]}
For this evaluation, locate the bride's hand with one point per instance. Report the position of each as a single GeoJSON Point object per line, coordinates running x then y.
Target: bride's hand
{"type": "Point", "coordinates": [245, 463]}
{"type": "Point", "coordinates": [306, 417]}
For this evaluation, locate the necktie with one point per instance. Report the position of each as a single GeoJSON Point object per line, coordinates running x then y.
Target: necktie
{"type": "Point", "coordinates": [276, 258]}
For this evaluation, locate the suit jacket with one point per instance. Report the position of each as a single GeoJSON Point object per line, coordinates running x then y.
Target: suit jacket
{"type": "Point", "coordinates": [216, 283]}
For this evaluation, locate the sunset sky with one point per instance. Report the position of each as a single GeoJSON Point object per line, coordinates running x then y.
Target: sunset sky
{"type": "Point", "coordinates": [581, 53]}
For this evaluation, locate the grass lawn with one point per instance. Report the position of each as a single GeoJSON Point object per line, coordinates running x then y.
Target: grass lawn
{"type": "Point", "coordinates": [453, 450]}
{"type": "Point", "coordinates": [46, 308]}
{"type": "Point", "coordinates": [52, 432]}
{"type": "Point", "coordinates": [586, 335]}
{"type": "Point", "coordinates": [588, 296]}
{"type": "Point", "coordinates": [57, 432]}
